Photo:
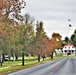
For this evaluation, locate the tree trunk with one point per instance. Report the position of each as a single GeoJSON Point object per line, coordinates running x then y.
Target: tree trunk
{"type": "Point", "coordinates": [14, 56]}
{"type": "Point", "coordinates": [51, 55]}
{"type": "Point", "coordinates": [23, 59]}
{"type": "Point", "coordinates": [9, 58]}
{"type": "Point", "coordinates": [38, 57]}
{"type": "Point", "coordinates": [1, 59]}
{"type": "Point", "coordinates": [43, 59]}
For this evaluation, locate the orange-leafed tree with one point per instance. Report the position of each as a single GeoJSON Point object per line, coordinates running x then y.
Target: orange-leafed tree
{"type": "Point", "coordinates": [56, 42]}
{"type": "Point", "coordinates": [39, 40]}
{"type": "Point", "coordinates": [11, 8]}
{"type": "Point", "coordinates": [47, 45]}
{"type": "Point", "coordinates": [56, 37]}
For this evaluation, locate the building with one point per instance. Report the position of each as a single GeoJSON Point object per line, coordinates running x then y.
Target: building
{"type": "Point", "coordinates": [69, 49]}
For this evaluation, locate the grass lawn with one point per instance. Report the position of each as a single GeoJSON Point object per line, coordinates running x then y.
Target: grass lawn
{"type": "Point", "coordinates": [10, 66]}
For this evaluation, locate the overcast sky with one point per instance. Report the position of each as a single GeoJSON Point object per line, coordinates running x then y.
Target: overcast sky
{"type": "Point", "coordinates": [54, 14]}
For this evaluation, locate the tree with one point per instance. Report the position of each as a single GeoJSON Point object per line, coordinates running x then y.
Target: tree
{"type": "Point", "coordinates": [2, 38]}
{"type": "Point", "coordinates": [63, 43]}
{"type": "Point", "coordinates": [8, 38]}
{"type": "Point", "coordinates": [12, 37]}
{"type": "Point", "coordinates": [73, 38]}
{"type": "Point", "coordinates": [66, 39]}
{"type": "Point", "coordinates": [56, 42]}
{"type": "Point", "coordinates": [39, 41]}
{"type": "Point", "coordinates": [26, 35]}
{"type": "Point", "coordinates": [28, 19]}
{"type": "Point", "coordinates": [11, 8]}
{"type": "Point", "coordinates": [47, 45]}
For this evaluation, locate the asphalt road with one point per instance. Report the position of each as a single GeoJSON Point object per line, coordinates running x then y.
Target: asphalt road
{"type": "Point", "coordinates": [64, 66]}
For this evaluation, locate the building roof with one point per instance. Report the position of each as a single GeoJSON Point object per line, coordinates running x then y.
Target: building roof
{"type": "Point", "coordinates": [69, 47]}
{"type": "Point", "coordinates": [69, 44]}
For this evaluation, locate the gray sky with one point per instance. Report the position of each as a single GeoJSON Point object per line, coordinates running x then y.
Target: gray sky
{"type": "Point", "coordinates": [54, 14]}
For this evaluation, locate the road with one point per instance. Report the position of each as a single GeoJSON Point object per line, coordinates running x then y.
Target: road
{"type": "Point", "coordinates": [63, 66]}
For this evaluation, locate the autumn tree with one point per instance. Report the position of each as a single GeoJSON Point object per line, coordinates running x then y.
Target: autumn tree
{"type": "Point", "coordinates": [3, 41]}
{"type": "Point", "coordinates": [17, 37]}
{"type": "Point", "coordinates": [39, 42]}
{"type": "Point", "coordinates": [11, 8]}
{"type": "Point", "coordinates": [26, 35]}
{"type": "Point", "coordinates": [47, 49]}
{"type": "Point", "coordinates": [12, 37]}
{"type": "Point", "coordinates": [55, 42]}
{"type": "Point", "coordinates": [8, 38]}
{"type": "Point", "coordinates": [9, 11]}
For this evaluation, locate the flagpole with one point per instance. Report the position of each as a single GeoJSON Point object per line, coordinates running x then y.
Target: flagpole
{"type": "Point", "coordinates": [69, 30]}
{"type": "Point", "coordinates": [68, 35]}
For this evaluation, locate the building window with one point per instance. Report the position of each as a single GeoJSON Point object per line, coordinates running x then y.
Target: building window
{"type": "Point", "coordinates": [69, 51]}
{"type": "Point", "coordinates": [65, 51]}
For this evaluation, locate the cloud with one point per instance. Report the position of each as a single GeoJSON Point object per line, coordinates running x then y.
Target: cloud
{"type": "Point", "coordinates": [51, 8]}
{"type": "Point", "coordinates": [54, 14]}
{"type": "Point", "coordinates": [50, 4]}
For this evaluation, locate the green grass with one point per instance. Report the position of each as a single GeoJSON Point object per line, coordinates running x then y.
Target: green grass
{"type": "Point", "coordinates": [9, 66]}
{"type": "Point", "coordinates": [67, 56]}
